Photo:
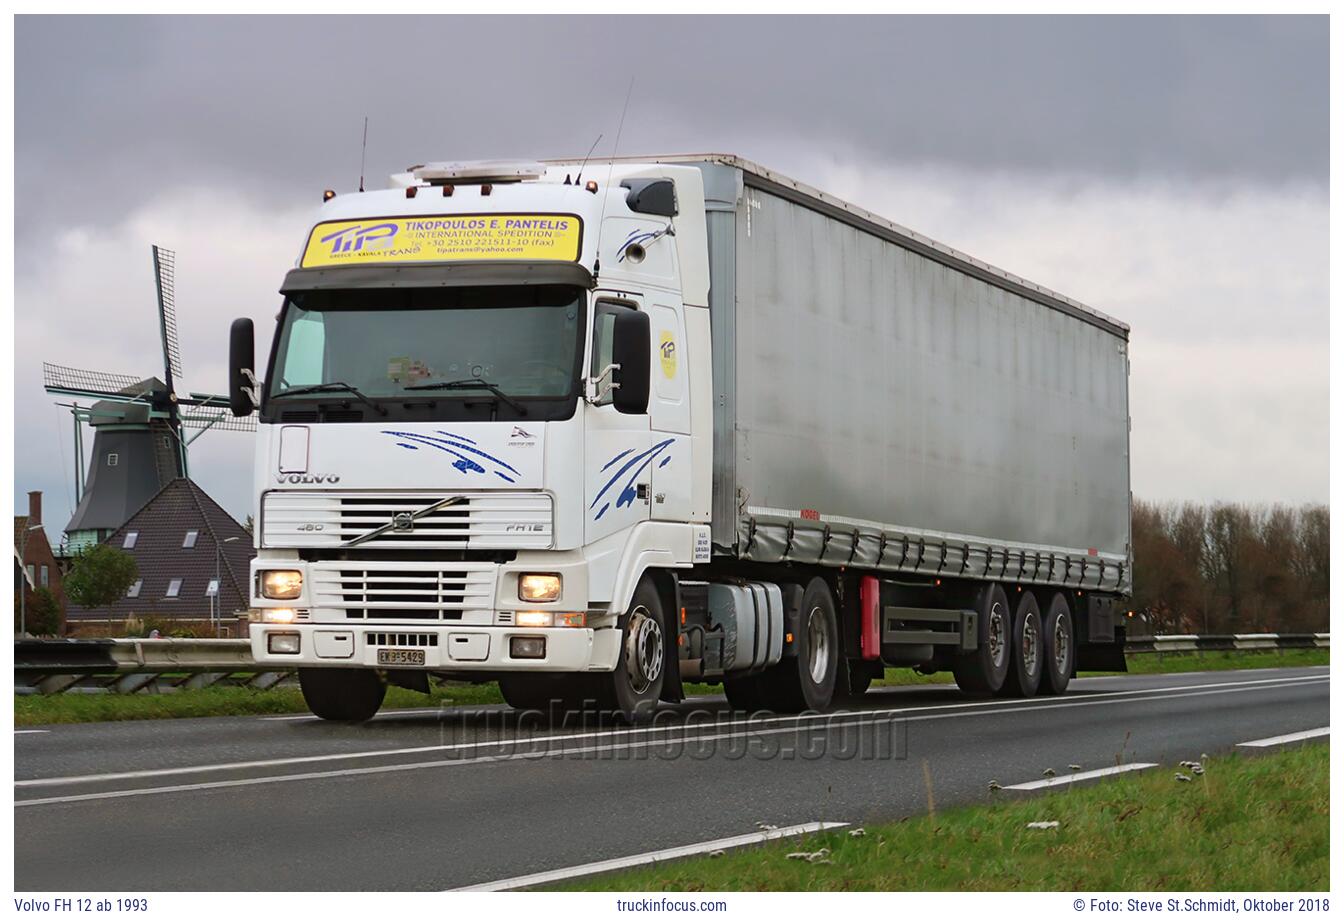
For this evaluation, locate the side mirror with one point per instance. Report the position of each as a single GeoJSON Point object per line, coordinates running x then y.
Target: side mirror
{"type": "Point", "coordinates": [242, 355]}
{"type": "Point", "coordinates": [630, 348]}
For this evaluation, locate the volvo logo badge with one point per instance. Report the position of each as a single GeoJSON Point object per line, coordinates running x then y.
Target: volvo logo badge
{"type": "Point", "coordinates": [403, 522]}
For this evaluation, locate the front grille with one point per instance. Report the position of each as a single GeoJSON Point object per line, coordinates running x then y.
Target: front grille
{"type": "Point", "coordinates": [479, 520]}
{"type": "Point", "coordinates": [394, 591]}
{"type": "Point", "coordinates": [402, 640]}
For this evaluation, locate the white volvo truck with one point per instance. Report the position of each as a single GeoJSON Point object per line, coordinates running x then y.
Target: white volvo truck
{"type": "Point", "coordinates": [595, 433]}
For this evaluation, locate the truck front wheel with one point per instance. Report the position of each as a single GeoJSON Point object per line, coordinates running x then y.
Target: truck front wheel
{"type": "Point", "coordinates": [985, 669]}
{"type": "Point", "coordinates": [342, 694]}
{"type": "Point", "coordinates": [637, 682]}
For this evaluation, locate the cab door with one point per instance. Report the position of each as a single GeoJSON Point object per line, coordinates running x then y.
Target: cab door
{"type": "Point", "coordinates": [618, 454]}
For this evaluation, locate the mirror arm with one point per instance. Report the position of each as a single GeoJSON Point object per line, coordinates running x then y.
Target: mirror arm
{"type": "Point", "coordinates": [253, 390]}
{"type": "Point", "coordinates": [595, 390]}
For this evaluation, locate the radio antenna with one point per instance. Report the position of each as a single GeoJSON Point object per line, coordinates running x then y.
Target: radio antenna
{"type": "Point", "coordinates": [611, 164]}
{"type": "Point", "coordinates": [364, 148]}
{"type": "Point", "coordinates": [585, 159]}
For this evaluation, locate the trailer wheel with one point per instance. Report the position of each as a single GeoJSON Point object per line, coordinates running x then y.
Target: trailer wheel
{"type": "Point", "coordinates": [634, 687]}
{"type": "Point", "coordinates": [809, 680]}
{"type": "Point", "coordinates": [342, 694]}
{"type": "Point", "coordinates": [1027, 660]}
{"type": "Point", "coordinates": [985, 669]}
{"type": "Point", "coordinates": [1057, 626]}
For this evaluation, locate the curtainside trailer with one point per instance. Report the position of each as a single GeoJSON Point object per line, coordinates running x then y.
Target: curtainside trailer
{"type": "Point", "coordinates": [591, 432]}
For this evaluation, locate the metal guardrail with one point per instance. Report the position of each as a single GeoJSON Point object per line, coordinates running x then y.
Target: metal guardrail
{"type": "Point", "coordinates": [132, 665]}
{"type": "Point", "coordinates": [164, 665]}
{"type": "Point", "coordinates": [1238, 642]}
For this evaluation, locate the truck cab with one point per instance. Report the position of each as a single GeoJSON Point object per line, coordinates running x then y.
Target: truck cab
{"type": "Point", "coordinates": [481, 418]}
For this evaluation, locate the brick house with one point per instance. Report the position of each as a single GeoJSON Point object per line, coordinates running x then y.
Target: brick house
{"type": "Point", "coordinates": [35, 563]}
{"type": "Point", "coordinates": [189, 552]}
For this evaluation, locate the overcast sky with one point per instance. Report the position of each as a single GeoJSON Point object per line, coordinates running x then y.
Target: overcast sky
{"type": "Point", "coordinates": [1170, 171]}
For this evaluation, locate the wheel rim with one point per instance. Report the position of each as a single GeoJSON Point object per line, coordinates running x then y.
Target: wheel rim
{"type": "Point", "coordinates": [643, 650]}
{"type": "Point", "coordinates": [1031, 642]}
{"type": "Point", "coordinates": [818, 645]}
{"type": "Point", "coordinates": [1061, 645]}
{"type": "Point", "coordinates": [996, 643]}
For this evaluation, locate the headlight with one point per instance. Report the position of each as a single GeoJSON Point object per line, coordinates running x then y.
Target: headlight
{"type": "Point", "coordinates": [538, 587]}
{"type": "Point", "coordinates": [281, 584]}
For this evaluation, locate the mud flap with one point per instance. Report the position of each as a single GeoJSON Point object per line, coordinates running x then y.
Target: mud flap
{"type": "Point", "coordinates": [1102, 656]}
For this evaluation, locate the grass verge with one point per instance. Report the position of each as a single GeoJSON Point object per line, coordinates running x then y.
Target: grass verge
{"type": "Point", "coordinates": [1248, 824]}
{"type": "Point", "coordinates": [242, 701]}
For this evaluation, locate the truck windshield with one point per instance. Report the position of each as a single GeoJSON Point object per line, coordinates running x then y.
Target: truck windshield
{"type": "Point", "coordinates": [417, 352]}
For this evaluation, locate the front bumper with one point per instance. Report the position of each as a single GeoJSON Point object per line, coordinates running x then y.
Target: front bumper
{"type": "Point", "coordinates": [446, 647]}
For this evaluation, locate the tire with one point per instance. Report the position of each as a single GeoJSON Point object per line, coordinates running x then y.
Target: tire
{"type": "Point", "coordinates": [1059, 646]}
{"type": "Point", "coordinates": [745, 694]}
{"type": "Point", "coordinates": [808, 681]}
{"type": "Point", "coordinates": [1028, 656]}
{"type": "Point", "coordinates": [552, 694]}
{"type": "Point", "coordinates": [985, 669]}
{"type": "Point", "coordinates": [633, 688]}
{"type": "Point", "coordinates": [342, 694]}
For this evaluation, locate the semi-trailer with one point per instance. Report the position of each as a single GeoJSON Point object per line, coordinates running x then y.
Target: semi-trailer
{"type": "Point", "coordinates": [595, 431]}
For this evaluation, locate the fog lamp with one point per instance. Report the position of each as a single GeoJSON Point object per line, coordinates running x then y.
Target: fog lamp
{"type": "Point", "coordinates": [282, 643]}
{"type": "Point", "coordinates": [527, 647]}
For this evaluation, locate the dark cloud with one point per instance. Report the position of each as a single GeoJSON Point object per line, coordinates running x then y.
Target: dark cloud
{"type": "Point", "coordinates": [274, 105]}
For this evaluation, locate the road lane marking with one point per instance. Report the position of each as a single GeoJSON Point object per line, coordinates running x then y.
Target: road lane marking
{"type": "Point", "coordinates": [32, 731]}
{"type": "Point", "coordinates": [603, 748]}
{"type": "Point", "coordinates": [985, 707]}
{"type": "Point", "coordinates": [1050, 781]}
{"type": "Point", "coordinates": [1286, 739]}
{"type": "Point", "coordinates": [656, 856]}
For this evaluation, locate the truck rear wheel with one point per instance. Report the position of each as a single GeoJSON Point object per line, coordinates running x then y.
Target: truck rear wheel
{"type": "Point", "coordinates": [1057, 629]}
{"type": "Point", "coordinates": [1027, 658]}
{"type": "Point", "coordinates": [342, 694]}
{"type": "Point", "coordinates": [808, 680]}
{"type": "Point", "coordinates": [985, 669]}
{"type": "Point", "coordinates": [634, 687]}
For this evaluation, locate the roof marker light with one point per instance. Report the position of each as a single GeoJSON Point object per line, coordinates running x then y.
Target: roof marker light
{"type": "Point", "coordinates": [328, 194]}
{"type": "Point", "coordinates": [410, 191]}
{"type": "Point", "coordinates": [591, 185]}
{"type": "Point", "coordinates": [486, 188]}
{"type": "Point", "coordinates": [448, 191]}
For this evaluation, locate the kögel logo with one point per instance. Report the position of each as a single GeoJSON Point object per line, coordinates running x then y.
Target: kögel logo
{"type": "Point", "coordinates": [295, 479]}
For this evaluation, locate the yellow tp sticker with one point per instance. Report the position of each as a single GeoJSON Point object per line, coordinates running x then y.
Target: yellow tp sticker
{"type": "Point", "coordinates": [667, 354]}
{"type": "Point", "coordinates": [445, 238]}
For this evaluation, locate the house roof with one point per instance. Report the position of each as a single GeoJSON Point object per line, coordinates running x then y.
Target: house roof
{"type": "Point", "coordinates": [161, 527]}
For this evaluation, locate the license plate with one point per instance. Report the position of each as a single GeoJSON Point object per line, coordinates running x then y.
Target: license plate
{"type": "Point", "coordinates": [402, 656]}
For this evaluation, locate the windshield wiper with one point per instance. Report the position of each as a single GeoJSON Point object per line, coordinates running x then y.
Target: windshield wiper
{"type": "Point", "coordinates": [335, 386]}
{"type": "Point", "coordinates": [473, 383]}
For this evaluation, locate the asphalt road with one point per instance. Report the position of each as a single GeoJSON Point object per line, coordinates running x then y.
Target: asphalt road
{"type": "Point", "coordinates": [435, 800]}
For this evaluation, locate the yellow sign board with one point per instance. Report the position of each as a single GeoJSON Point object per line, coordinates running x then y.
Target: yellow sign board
{"type": "Point", "coordinates": [445, 238]}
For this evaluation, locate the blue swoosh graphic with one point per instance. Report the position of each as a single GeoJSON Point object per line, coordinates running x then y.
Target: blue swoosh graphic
{"type": "Point", "coordinates": [457, 446]}
{"type": "Point", "coordinates": [638, 462]}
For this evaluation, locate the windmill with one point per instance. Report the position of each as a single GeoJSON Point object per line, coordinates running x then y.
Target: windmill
{"type": "Point", "coordinates": [140, 426]}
